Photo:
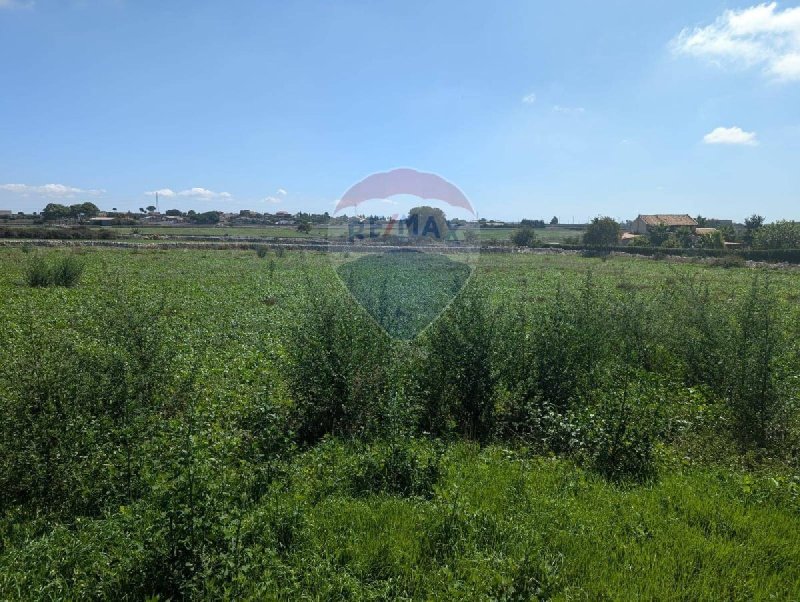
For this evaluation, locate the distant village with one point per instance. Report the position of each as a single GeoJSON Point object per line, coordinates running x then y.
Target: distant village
{"type": "Point", "coordinates": [654, 230]}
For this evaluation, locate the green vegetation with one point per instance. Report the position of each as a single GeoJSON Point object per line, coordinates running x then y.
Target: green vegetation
{"type": "Point", "coordinates": [65, 271]}
{"type": "Point", "coordinates": [211, 425]}
{"type": "Point", "coordinates": [779, 235]}
{"type": "Point", "coordinates": [404, 291]}
{"type": "Point", "coordinates": [602, 232]}
{"type": "Point", "coordinates": [524, 237]}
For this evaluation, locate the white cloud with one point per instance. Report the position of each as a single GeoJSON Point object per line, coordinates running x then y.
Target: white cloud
{"type": "Point", "coordinates": [529, 99]}
{"type": "Point", "coordinates": [49, 190]}
{"type": "Point", "coordinates": [281, 192]}
{"type": "Point", "coordinates": [200, 193]}
{"type": "Point", "coordinates": [204, 193]}
{"type": "Point", "coordinates": [165, 192]}
{"type": "Point", "coordinates": [734, 135]}
{"type": "Point", "coordinates": [272, 199]}
{"type": "Point", "coordinates": [760, 35]}
{"type": "Point", "coordinates": [568, 110]}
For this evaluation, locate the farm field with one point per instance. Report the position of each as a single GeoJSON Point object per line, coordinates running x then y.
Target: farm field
{"type": "Point", "coordinates": [232, 231]}
{"type": "Point", "coordinates": [215, 424]}
{"type": "Point", "coordinates": [487, 234]}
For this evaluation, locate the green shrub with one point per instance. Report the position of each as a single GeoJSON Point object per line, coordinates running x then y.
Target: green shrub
{"type": "Point", "coordinates": [67, 271]}
{"type": "Point", "coordinates": [622, 427]}
{"type": "Point", "coordinates": [261, 251]}
{"type": "Point", "coordinates": [338, 366]}
{"type": "Point", "coordinates": [79, 405]}
{"type": "Point", "coordinates": [456, 379]}
{"type": "Point", "coordinates": [37, 272]}
{"type": "Point", "coordinates": [64, 271]}
{"type": "Point", "coordinates": [524, 237]}
{"type": "Point", "coordinates": [545, 359]}
{"type": "Point", "coordinates": [755, 396]}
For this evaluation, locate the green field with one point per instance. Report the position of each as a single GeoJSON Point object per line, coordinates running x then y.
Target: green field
{"type": "Point", "coordinates": [487, 234]}
{"type": "Point", "coordinates": [218, 425]}
{"type": "Point", "coordinates": [223, 231]}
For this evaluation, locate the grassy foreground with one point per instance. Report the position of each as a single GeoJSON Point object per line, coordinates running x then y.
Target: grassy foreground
{"type": "Point", "coordinates": [494, 525]}
{"type": "Point", "coordinates": [159, 437]}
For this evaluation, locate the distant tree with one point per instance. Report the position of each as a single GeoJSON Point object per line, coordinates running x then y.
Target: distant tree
{"type": "Point", "coordinates": [727, 232]}
{"type": "Point", "coordinates": [602, 232]}
{"type": "Point", "coordinates": [754, 222]}
{"type": "Point", "coordinates": [141, 209]}
{"type": "Point", "coordinates": [780, 235]}
{"type": "Point", "coordinates": [701, 221]}
{"type": "Point", "coordinates": [174, 212]}
{"type": "Point", "coordinates": [54, 211]}
{"type": "Point", "coordinates": [751, 225]}
{"type": "Point", "coordinates": [524, 237]}
{"type": "Point", "coordinates": [83, 210]}
{"type": "Point", "coordinates": [658, 235]}
{"type": "Point", "coordinates": [533, 223]}
{"type": "Point", "coordinates": [672, 242]}
{"type": "Point", "coordinates": [304, 227]}
{"type": "Point", "coordinates": [151, 208]}
{"type": "Point", "coordinates": [713, 240]}
{"type": "Point", "coordinates": [430, 221]}
{"type": "Point", "coordinates": [685, 237]}
{"type": "Point", "coordinates": [554, 221]}
{"type": "Point", "coordinates": [208, 217]}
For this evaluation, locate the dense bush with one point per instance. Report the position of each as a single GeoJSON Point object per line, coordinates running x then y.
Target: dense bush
{"type": "Point", "coordinates": [602, 232]}
{"type": "Point", "coordinates": [64, 270]}
{"type": "Point", "coordinates": [543, 360]}
{"type": "Point", "coordinates": [456, 377]}
{"type": "Point", "coordinates": [778, 235]}
{"type": "Point", "coordinates": [622, 426]}
{"type": "Point", "coordinates": [755, 396]}
{"type": "Point", "coordinates": [524, 237]}
{"type": "Point", "coordinates": [338, 362]}
{"type": "Point", "coordinates": [74, 233]}
{"type": "Point", "coordinates": [78, 406]}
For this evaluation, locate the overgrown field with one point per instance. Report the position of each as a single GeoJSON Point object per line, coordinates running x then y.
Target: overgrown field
{"type": "Point", "coordinates": [218, 424]}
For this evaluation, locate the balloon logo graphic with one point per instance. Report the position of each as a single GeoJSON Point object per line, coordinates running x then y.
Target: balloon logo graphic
{"type": "Point", "coordinates": [406, 267]}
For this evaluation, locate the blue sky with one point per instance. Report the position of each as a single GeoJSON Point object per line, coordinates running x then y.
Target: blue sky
{"type": "Point", "coordinates": [533, 109]}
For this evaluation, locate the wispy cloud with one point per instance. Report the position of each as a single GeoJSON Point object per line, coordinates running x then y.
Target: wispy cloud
{"type": "Point", "coordinates": [529, 99]}
{"type": "Point", "coordinates": [165, 192]}
{"type": "Point", "coordinates": [568, 110]}
{"type": "Point", "coordinates": [759, 36]}
{"type": "Point", "coordinates": [49, 190]}
{"type": "Point", "coordinates": [732, 135]}
{"type": "Point", "coordinates": [277, 197]}
{"type": "Point", "coordinates": [198, 193]}
{"type": "Point", "coordinates": [15, 4]}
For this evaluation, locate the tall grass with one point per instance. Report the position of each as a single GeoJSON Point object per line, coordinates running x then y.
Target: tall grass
{"type": "Point", "coordinates": [338, 366]}
{"type": "Point", "coordinates": [455, 376]}
{"type": "Point", "coordinates": [65, 270]}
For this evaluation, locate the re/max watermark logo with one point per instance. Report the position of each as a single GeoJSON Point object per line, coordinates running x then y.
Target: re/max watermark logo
{"type": "Point", "coordinates": [415, 226]}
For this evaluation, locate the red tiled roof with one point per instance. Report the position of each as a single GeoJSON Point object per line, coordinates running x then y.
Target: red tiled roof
{"type": "Point", "coordinates": [668, 219]}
